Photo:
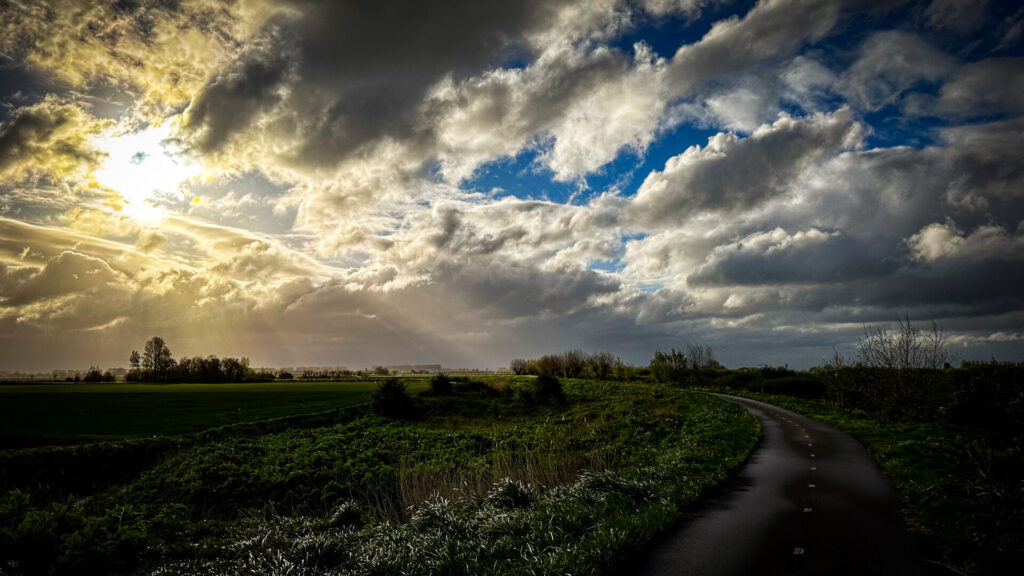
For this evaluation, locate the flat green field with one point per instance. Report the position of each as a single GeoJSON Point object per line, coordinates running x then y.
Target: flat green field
{"type": "Point", "coordinates": [58, 412]}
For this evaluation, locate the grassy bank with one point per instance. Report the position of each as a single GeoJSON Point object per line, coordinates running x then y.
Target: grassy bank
{"type": "Point", "coordinates": [489, 480]}
{"type": "Point", "coordinates": [961, 487]}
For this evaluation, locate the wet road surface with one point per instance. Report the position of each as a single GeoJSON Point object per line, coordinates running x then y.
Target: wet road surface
{"type": "Point", "coordinates": [809, 501]}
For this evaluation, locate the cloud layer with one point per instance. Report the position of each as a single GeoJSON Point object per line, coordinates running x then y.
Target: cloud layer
{"type": "Point", "coordinates": [391, 181]}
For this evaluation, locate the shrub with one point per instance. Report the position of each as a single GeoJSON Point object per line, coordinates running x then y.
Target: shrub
{"type": "Point", "coordinates": [441, 385]}
{"type": "Point", "coordinates": [391, 400]}
{"type": "Point", "coordinates": [510, 494]}
{"type": "Point", "coordinates": [669, 366]}
{"type": "Point", "coordinates": [548, 389]}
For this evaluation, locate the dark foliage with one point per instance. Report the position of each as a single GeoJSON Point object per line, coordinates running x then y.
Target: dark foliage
{"type": "Point", "coordinates": [441, 385]}
{"type": "Point", "coordinates": [391, 400]}
{"type": "Point", "coordinates": [548, 390]}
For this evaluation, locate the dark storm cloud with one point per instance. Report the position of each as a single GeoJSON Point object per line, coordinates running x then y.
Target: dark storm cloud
{"type": "Point", "coordinates": [361, 69]}
{"type": "Point", "coordinates": [985, 88]}
{"type": "Point", "coordinates": [812, 257]}
{"type": "Point", "coordinates": [251, 84]}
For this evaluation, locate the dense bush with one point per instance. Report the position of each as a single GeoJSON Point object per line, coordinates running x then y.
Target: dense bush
{"type": "Point", "coordinates": [671, 366]}
{"type": "Point", "coordinates": [391, 400]}
{"type": "Point", "coordinates": [548, 389]}
{"type": "Point", "coordinates": [799, 385]}
{"type": "Point", "coordinates": [441, 385]}
{"type": "Point", "coordinates": [59, 538]}
{"type": "Point", "coordinates": [988, 394]}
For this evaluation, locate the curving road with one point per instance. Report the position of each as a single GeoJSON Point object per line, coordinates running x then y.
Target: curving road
{"type": "Point", "coordinates": [810, 501]}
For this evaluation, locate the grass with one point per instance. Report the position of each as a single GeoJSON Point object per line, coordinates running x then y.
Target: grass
{"type": "Point", "coordinates": [62, 413]}
{"type": "Point", "coordinates": [961, 487]}
{"type": "Point", "coordinates": [487, 481]}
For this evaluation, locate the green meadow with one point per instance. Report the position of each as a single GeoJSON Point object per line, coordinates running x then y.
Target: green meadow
{"type": "Point", "coordinates": [37, 414]}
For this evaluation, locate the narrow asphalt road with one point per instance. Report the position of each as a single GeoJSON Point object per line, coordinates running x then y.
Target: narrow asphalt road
{"type": "Point", "coordinates": [810, 501]}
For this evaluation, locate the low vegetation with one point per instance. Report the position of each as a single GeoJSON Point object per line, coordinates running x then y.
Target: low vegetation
{"type": "Point", "coordinates": [507, 476]}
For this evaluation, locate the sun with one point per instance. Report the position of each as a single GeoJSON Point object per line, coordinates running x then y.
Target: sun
{"type": "Point", "coordinates": [143, 165]}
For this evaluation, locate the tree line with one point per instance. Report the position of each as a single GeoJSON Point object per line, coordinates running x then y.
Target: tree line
{"type": "Point", "coordinates": [574, 364]}
{"type": "Point", "coordinates": [157, 364]}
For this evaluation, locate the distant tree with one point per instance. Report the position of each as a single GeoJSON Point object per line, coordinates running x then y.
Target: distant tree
{"type": "Point", "coordinates": [573, 363]}
{"type": "Point", "coordinates": [520, 366]}
{"type": "Point", "coordinates": [157, 361]}
{"type": "Point", "coordinates": [235, 369]}
{"type": "Point", "coordinates": [441, 384]}
{"type": "Point", "coordinates": [93, 375]}
{"type": "Point", "coordinates": [391, 400]}
{"type": "Point", "coordinates": [904, 347]}
{"type": "Point", "coordinates": [700, 358]}
{"type": "Point", "coordinates": [285, 376]}
{"type": "Point", "coordinates": [380, 371]}
{"type": "Point", "coordinates": [135, 362]}
{"type": "Point", "coordinates": [549, 364]}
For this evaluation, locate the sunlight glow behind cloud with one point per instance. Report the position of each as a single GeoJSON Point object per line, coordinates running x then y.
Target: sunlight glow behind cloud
{"type": "Point", "coordinates": [142, 166]}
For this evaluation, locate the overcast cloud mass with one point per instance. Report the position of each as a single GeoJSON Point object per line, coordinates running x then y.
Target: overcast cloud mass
{"type": "Point", "coordinates": [311, 182]}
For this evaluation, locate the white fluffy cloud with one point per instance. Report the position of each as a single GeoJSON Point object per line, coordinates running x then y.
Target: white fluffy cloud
{"type": "Point", "coordinates": [944, 240]}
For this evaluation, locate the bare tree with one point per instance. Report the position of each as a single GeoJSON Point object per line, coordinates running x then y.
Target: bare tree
{"type": "Point", "coordinates": [520, 366]}
{"type": "Point", "coordinates": [897, 355]}
{"type": "Point", "coordinates": [573, 362]}
{"type": "Point", "coordinates": [903, 347]}
{"type": "Point", "coordinates": [600, 364]}
{"type": "Point", "coordinates": [700, 358]}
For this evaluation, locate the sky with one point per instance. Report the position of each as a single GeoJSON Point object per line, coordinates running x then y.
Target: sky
{"type": "Point", "coordinates": [311, 182]}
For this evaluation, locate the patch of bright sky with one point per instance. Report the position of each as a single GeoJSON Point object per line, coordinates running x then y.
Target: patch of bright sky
{"type": "Point", "coordinates": [666, 34]}
{"type": "Point", "coordinates": [524, 176]}
{"type": "Point", "coordinates": [142, 166]}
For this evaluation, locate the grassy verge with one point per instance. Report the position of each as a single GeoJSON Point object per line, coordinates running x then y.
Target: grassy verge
{"type": "Point", "coordinates": [961, 487]}
{"type": "Point", "coordinates": [486, 481]}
